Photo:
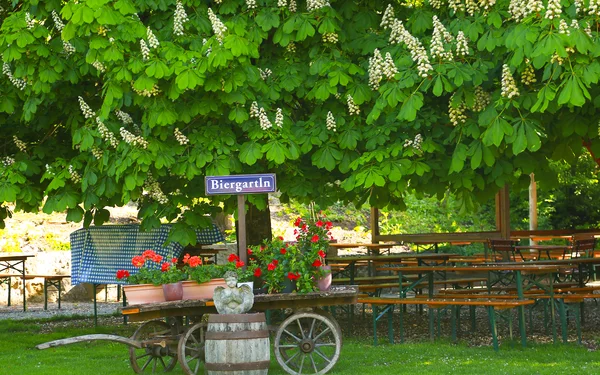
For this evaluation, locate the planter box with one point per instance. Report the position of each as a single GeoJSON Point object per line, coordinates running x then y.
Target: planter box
{"type": "Point", "coordinates": [143, 293]}
{"type": "Point", "coordinates": [193, 290]}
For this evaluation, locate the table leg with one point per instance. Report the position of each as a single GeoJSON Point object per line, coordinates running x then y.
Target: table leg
{"type": "Point", "coordinates": [521, 309]}
{"type": "Point", "coordinates": [24, 287]}
{"type": "Point", "coordinates": [352, 273]}
{"type": "Point", "coordinates": [429, 309]}
{"type": "Point", "coordinates": [581, 285]}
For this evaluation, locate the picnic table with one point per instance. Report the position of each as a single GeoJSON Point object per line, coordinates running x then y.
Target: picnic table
{"type": "Point", "coordinates": [14, 265]}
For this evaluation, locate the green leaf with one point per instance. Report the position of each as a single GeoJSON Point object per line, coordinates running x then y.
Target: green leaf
{"type": "Point", "coordinates": [520, 142]}
{"type": "Point", "coordinates": [125, 7]}
{"type": "Point", "coordinates": [495, 133]}
{"type": "Point", "coordinates": [250, 152]}
{"type": "Point", "coordinates": [275, 150]}
{"type": "Point", "coordinates": [267, 19]}
{"type": "Point", "coordinates": [305, 29]}
{"type": "Point", "coordinates": [130, 182]}
{"type": "Point", "coordinates": [75, 214]}
{"type": "Point", "coordinates": [326, 157]}
{"type": "Point", "coordinates": [238, 114]}
{"type": "Point", "coordinates": [188, 79]}
{"type": "Point", "coordinates": [410, 107]}
{"type": "Point", "coordinates": [8, 192]}
{"type": "Point", "coordinates": [238, 45]}
{"type": "Point", "coordinates": [458, 158]}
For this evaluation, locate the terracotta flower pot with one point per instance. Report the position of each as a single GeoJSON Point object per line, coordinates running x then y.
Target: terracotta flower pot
{"type": "Point", "coordinates": [173, 292]}
{"type": "Point", "coordinates": [143, 293]}
{"type": "Point", "coordinates": [193, 290]}
{"type": "Point", "coordinates": [325, 281]}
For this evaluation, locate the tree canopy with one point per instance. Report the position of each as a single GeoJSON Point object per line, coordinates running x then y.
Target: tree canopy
{"type": "Point", "coordinates": [104, 102]}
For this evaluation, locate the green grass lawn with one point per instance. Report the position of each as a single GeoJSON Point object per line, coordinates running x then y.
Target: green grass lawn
{"type": "Point", "coordinates": [18, 356]}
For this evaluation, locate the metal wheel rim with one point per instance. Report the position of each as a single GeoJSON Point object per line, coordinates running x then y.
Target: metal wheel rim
{"type": "Point", "coordinates": [308, 343]}
{"type": "Point", "coordinates": [190, 350]}
{"type": "Point", "coordinates": [145, 360]}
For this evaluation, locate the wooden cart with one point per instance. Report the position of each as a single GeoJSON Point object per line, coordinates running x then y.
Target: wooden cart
{"type": "Point", "coordinates": [308, 340]}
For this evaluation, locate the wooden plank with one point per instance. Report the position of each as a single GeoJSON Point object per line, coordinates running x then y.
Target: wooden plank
{"type": "Point", "coordinates": [441, 237]}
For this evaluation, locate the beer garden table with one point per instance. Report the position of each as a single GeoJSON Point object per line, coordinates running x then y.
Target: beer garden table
{"type": "Point", "coordinates": [10, 262]}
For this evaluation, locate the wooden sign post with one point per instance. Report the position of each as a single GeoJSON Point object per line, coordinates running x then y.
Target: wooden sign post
{"type": "Point", "coordinates": [241, 185]}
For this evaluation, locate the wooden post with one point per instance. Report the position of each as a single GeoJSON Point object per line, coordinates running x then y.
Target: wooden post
{"type": "Point", "coordinates": [374, 225]}
{"type": "Point", "coordinates": [533, 217]}
{"type": "Point", "coordinates": [503, 212]}
{"type": "Point", "coordinates": [241, 234]}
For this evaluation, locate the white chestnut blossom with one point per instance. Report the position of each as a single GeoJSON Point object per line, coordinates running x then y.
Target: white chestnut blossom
{"type": "Point", "coordinates": [254, 110]}
{"type": "Point", "coordinates": [556, 59]}
{"type": "Point", "coordinates": [553, 9]}
{"type": "Point", "coordinates": [132, 139]}
{"type": "Point", "coordinates": [482, 99]}
{"type": "Point", "coordinates": [462, 46]}
{"type": "Point", "coordinates": [563, 28]}
{"type": "Point", "coordinates": [416, 143]}
{"type": "Point", "coordinates": [152, 40]}
{"type": "Point", "coordinates": [7, 161]}
{"type": "Point", "coordinates": [219, 27]}
{"type": "Point", "coordinates": [594, 8]}
{"type": "Point", "coordinates": [264, 74]}
{"type": "Point", "coordinates": [99, 66]}
{"type": "Point", "coordinates": [457, 113]}
{"type": "Point", "coordinates": [375, 69]}
{"type": "Point", "coordinates": [106, 134]}
{"type": "Point", "coordinates": [17, 82]}
{"type": "Point", "coordinates": [436, 4]}
{"type": "Point", "coordinates": [456, 5]}
{"type": "Point", "coordinates": [291, 47]}
{"type": "Point", "coordinates": [68, 48]}
{"type": "Point", "coordinates": [152, 188]}
{"type": "Point", "coordinates": [520, 9]}
{"type": "Point", "coordinates": [330, 38]}
{"type": "Point", "coordinates": [471, 7]}
{"type": "Point", "coordinates": [388, 17]}
{"type": "Point", "coordinates": [486, 5]}
{"type": "Point", "coordinates": [588, 29]}
{"type": "Point", "coordinates": [147, 93]}
{"type": "Point", "coordinates": [179, 18]}
{"type": "Point", "coordinates": [85, 108]}
{"type": "Point", "coordinates": [97, 153]}
{"type": "Point", "coordinates": [145, 50]}
{"type": "Point", "coordinates": [293, 7]}
{"type": "Point", "coordinates": [251, 4]}
{"type": "Point", "coordinates": [57, 21]}
{"type": "Point", "coordinates": [316, 4]}
{"type": "Point", "coordinates": [389, 68]}
{"type": "Point", "coordinates": [528, 75]}
{"type": "Point", "coordinates": [417, 51]}
{"type": "Point", "coordinates": [180, 137]}
{"type": "Point", "coordinates": [330, 122]}
{"type": "Point", "coordinates": [29, 21]}
{"type": "Point", "coordinates": [20, 144]}
{"type": "Point", "coordinates": [509, 86]}
{"type": "Point", "coordinates": [353, 109]}
{"type": "Point", "coordinates": [574, 24]}
{"type": "Point", "coordinates": [440, 34]}
{"type": "Point", "coordinates": [281, 3]}
{"type": "Point", "coordinates": [263, 120]}
{"type": "Point", "coordinates": [75, 176]}
{"type": "Point", "coordinates": [279, 118]}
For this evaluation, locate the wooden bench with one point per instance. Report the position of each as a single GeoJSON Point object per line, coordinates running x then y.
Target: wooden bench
{"type": "Point", "coordinates": [491, 304]}
{"type": "Point", "coordinates": [374, 287]}
{"type": "Point", "coordinates": [49, 281]}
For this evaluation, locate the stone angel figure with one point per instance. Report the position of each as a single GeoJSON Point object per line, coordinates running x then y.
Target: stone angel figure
{"type": "Point", "coordinates": [231, 299]}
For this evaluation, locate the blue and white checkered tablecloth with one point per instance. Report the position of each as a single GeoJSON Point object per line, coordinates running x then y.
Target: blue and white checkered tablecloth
{"type": "Point", "coordinates": [97, 253]}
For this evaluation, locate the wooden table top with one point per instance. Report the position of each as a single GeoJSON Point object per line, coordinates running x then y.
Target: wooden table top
{"type": "Point", "coordinates": [11, 256]}
{"type": "Point", "coordinates": [486, 267]}
{"type": "Point", "coordinates": [559, 262]}
{"type": "Point", "coordinates": [390, 258]}
{"type": "Point", "coordinates": [367, 245]}
{"type": "Point", "coordinates": [542, 247]}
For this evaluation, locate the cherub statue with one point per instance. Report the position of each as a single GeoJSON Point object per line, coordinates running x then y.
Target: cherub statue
{"type": "Point", "coordinates": [233, 300]}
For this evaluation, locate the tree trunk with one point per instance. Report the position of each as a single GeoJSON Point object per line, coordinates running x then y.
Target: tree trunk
{"type": "Point", "coordinates": [258, 224]}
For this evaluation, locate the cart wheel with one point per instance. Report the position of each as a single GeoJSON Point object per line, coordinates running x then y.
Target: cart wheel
{"type": "Point", "coordinates": [191, 349]}
{"type": "Point", "coordinates": [152, 358]}
{"type": "Point", "coordinates": [329, 316]}
{"type": "Point", "coordinates": [308, 343]}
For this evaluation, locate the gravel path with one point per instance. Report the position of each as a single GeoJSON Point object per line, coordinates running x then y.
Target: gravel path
{"type": "Point", "coordinates": [36, 310]}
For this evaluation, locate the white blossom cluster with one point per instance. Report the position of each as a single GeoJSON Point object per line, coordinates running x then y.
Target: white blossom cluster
{"type": "Point", "coordinates": [263, 120]}
{"type": "Point", "coordinates": [375, 69]}
{"type": "Point", "coordinates": [85, 108]}
{"type": "Point", "coordinates": [111, 40]}
{"type": "Point", "coordinates": [264, 74]}
{"type": "Point", "coordinates": [75, 176]}
{"type": "Point", "coordinates": [575, 24]}
{"type": "Point", "coordinates": [57, 21]}
{"type": "Point", "coordinates": [251, 4]}
{"type": "Point", "coordinates": [440, 34]}
{"type": "Point", "coordinates": [279, 118]}
{"type": "Point", "coordinates": [352, 107]}
{"type": "Point", "coordinates": [103, 30]}
{"type": "Point", "coordinates": [417, 51]}
{"type": "Point", "coordinates": [147, 93]}
{"type": "Point", "coordinates": [291, 47]}
{"type": "Point", "coordinates": [528, 75]}
{"type": "Point", "coordinates": [486, 5]}
{"type": "Point", "coordinates": [97, 153]}
{"type": "Point", "coordinates": [330, 122]}
{"type": "Point", "coordinates": [556, 59]}
{"type": "Point", "coordinates": [563, 28]}
{"type": "Point", "coordinates": [457, 114]}
{"type": "Point", "coordinates": [98, 65]}
{"type": "Point", "coordinates": [68, 48]}
{"type": "Point", "coordinates": [588, 29]}
{"type": "Point", "coordinates": [281, 3]}
{"type": "Point", "coordinates": [254, 110]}
{"type": "Point", "coordinates": [209, 50]}
{"type": "Point", "coordinates": [153, 189]}
{"type": "Point", "coordinates": [436, 4]}
{"type": "Point", "coordinates": [388, 17]}
{"type": "Point", "coordinates": [337, 95]}
{"type": "Point", "coordinates": [132, 139]}
{"type": "Point", "coordinates": [7, 161]}
{"type": "Point", "coordinates": [152, 39]}
{"type": "Point", "coordinates": [482, 99]}
{"type": "Point", "coordinates": [17, 82]}
{"type": "Point", "coordinates": [218, 27]}
{"type": "Point", "coordinates": [456, 5]}
{"type": "Point", "coordinates": [29, 21]}
{"type": "Point", "coordinates": [179, 18]}
{"type": "Point", "coordinates": [389, 67]}
{"type": "Point", "coordinates": [106, 134]}
{"type": "Point", "coordinates": [330, 38]}
{"type": "Point", "coordinates": [462, 45]}
{"type": "Point", "coordinates": [180, 137]}
{"type": "Point", "coordinates": [20, 144]}
{"type": "Point", "coordinates": [520, 9]}
{"type": "Point", "coordinates": [578, 6]}
{"type": "Point", "coordinates": [509, 86]}
{"type": "Point", "coordinates": [145, 50]}
{"type": "Point", "coordinates": [124, 117]}
{"type": "Point", "coordinates": [553, 10]}
{"type": "Point", "coordinates": [293, 7]}
{"type": "Point", "coordinates": [316, 4]}
{"type": "Point", "coordinates": [471, 7]}
{"type": "Point", "coordinates": [416, 143]}
{"type": "Point", "coordinates": [594, 8]}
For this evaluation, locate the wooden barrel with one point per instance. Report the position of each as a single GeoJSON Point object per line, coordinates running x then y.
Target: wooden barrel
{"type": "Point", "coordinates": [237, 344]}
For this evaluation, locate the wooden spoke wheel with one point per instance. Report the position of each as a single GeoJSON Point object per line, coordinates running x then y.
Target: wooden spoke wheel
{"type": "Point", "coordinates": [308, 343]}
{"type": "Point", "coordinates": [191, 349]}
{"type": "Point", "coordinates": [156, 356]}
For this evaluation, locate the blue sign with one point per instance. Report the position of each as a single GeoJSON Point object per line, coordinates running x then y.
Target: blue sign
{"type": "Point", "coordinates": [241, 184]}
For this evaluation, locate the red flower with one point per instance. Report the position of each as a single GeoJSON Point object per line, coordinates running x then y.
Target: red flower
{"type": "Point", "coordinates": [157, 258]}
{"type": "Point", "coordinates": [122, 274]}
{"type": "Point", "coordinates": [148, 254]}
{"type": "Point", "coordinates": [165, 267]}
{"type": "Point", "coordinates": [239, 264]}
{"type": "Point", "coordinates": [322, 254]}
{"type": "Point", "coordinates": [304, 227]}
{"type": "Point", "coordinates": [271, 266]}
{"type": "Point", "coordinates": [262, 247]}
{"type": "Point", "coordinates": [293, 276]}
{"type": "Point", "coordinates": [317, 263]}
{"type": "Point", "coordinates": [298, 222]}
{"type": "Point", "coordinates": [249, 251]}
{"type": "Point", "coordinates": [280, 238]}
{"type": "Point", "coordinates": [257, 272]}
{"type": "Point", "coordinates": [328, 225]}
{"type": "Point", "coordinates": [186, 257]}
{"type": "Point", "coordinates": [315, 238]}
{"type": "Point", "coordinates": [232, 258]}
{"type": "Point", "coordinates": [319, 224]}
{"type": "Point", "coordinates": [283, 251]}
{"type": "Point", "coordinates": [138, 261]}
{"type": "Point", "coordinates": [174, 260]}
{"type": "Point", "coordinates": [275, 262]}
{"type": "Point", "coordinates": [195, 261]}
